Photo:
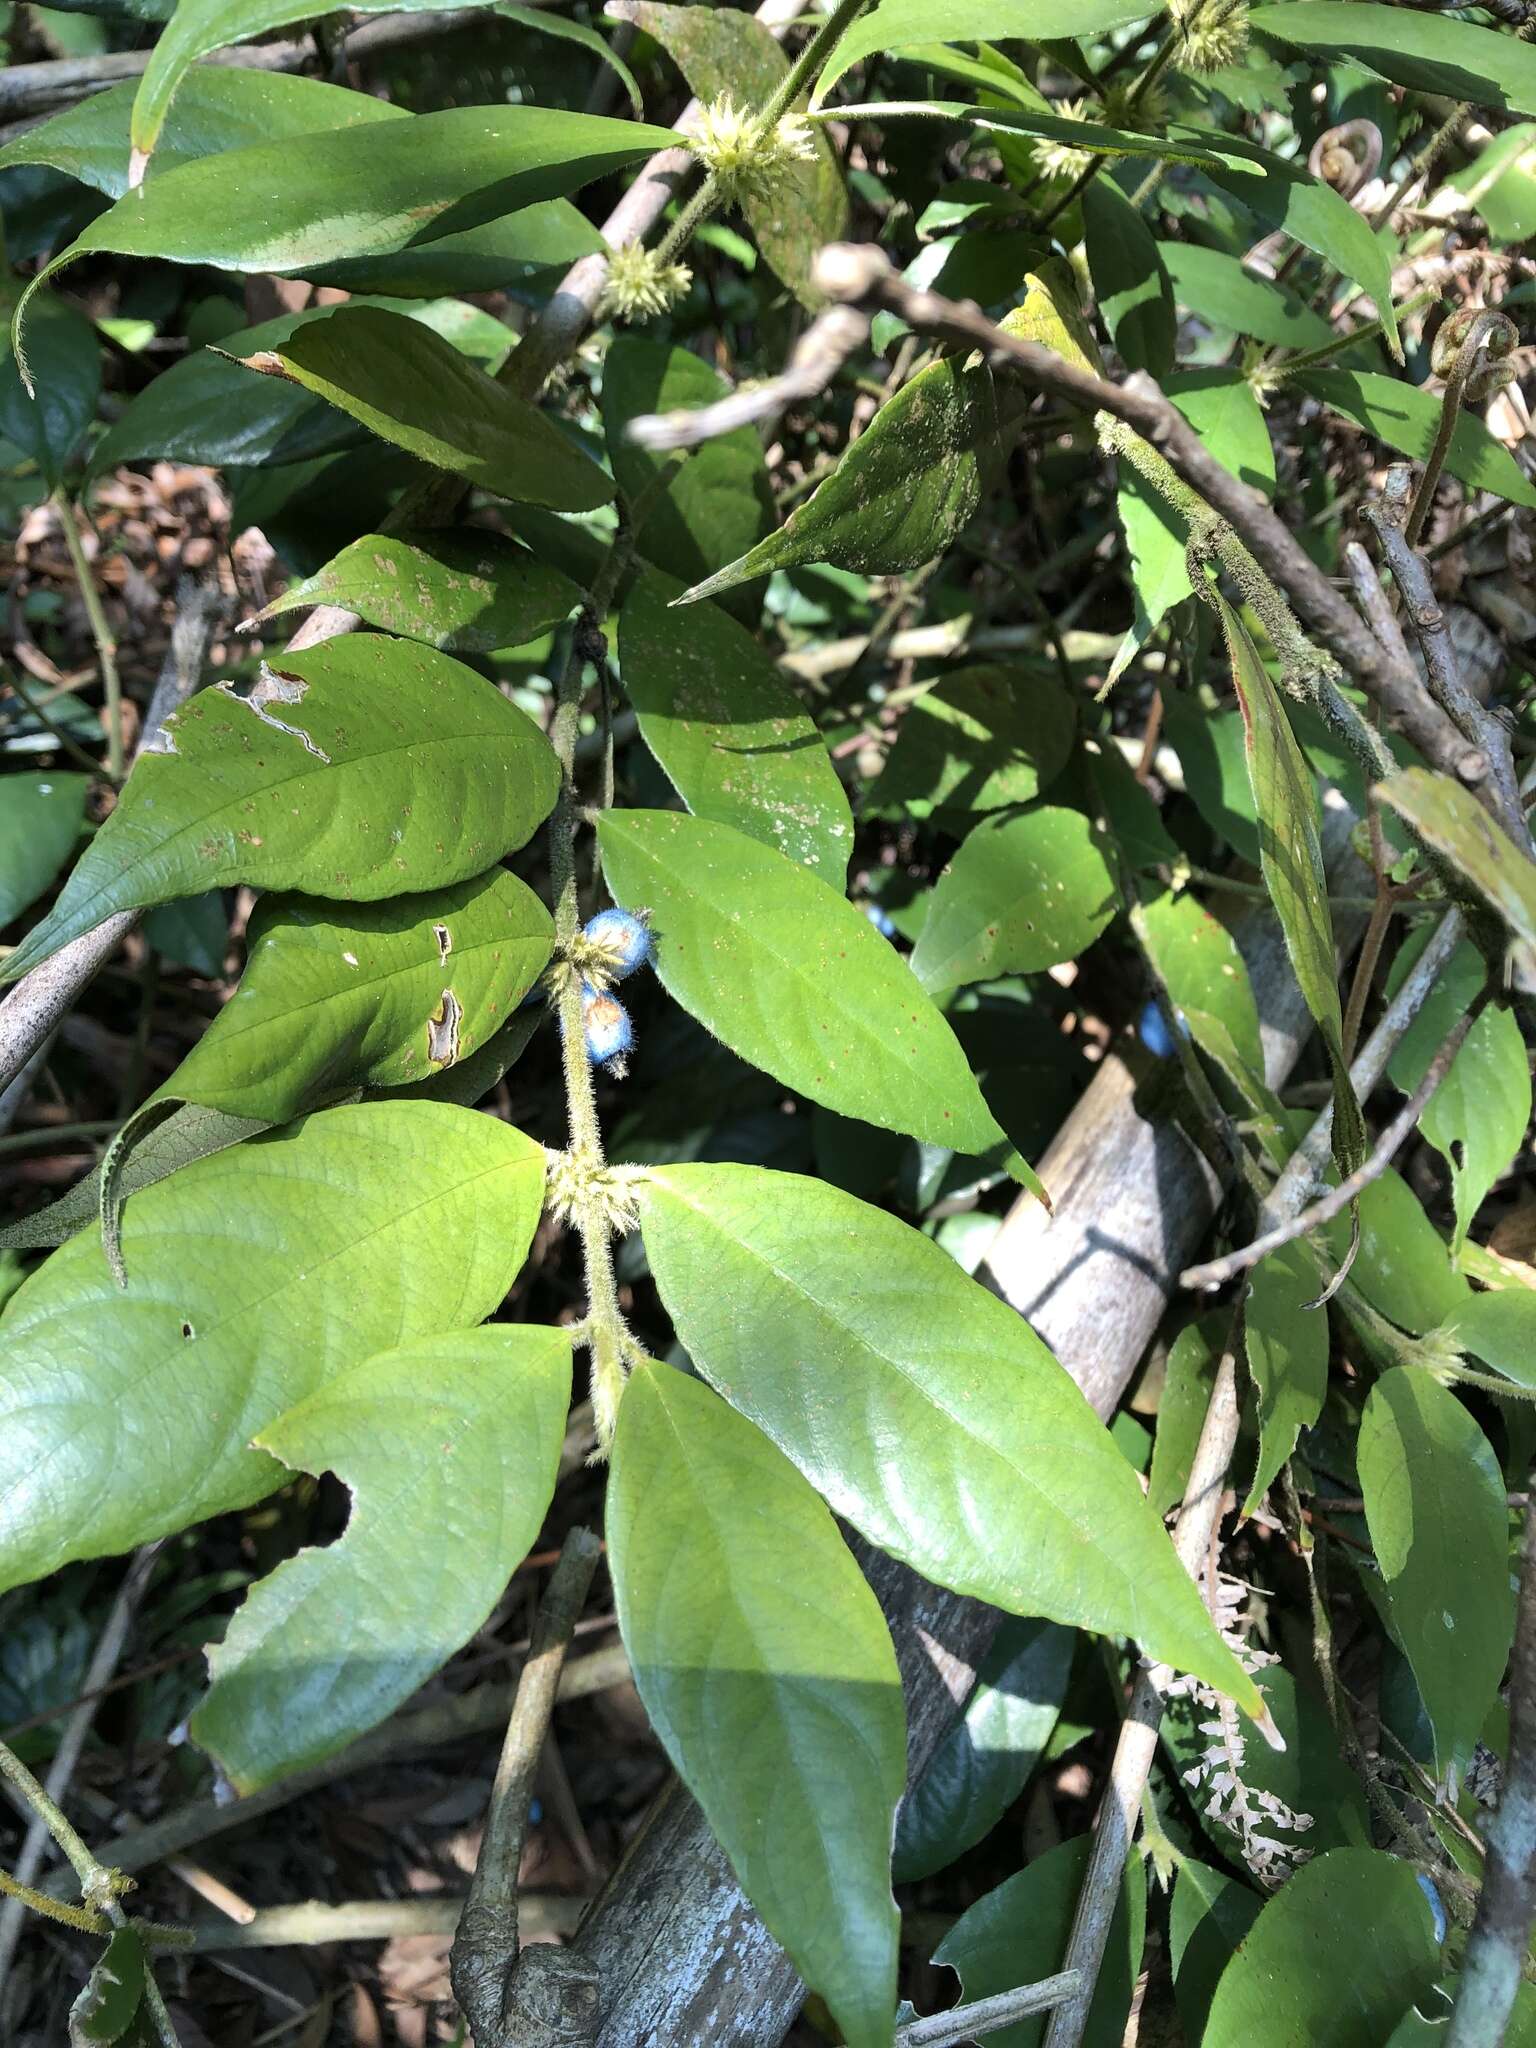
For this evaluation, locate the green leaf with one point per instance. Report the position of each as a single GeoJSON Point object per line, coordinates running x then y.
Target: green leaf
{"type": "Point", "coordinates": [1434, 1504]}
{"type": "Point", "coordinates": [700, 511]}
{"type": "Point", "coordinates": [1335, 1958]}
{"type": "Point", "coordinates": [1407, 418]}
{"type": "Point", "coordinates": [1477, 1117]}
{"type": "Point", "coordinates": [273, 789]}
{"type": "Point", "coordinates": [1207, 979]}
{"type": "Point", "coordinates": [415, 390]}
{"type": "Point", "coordinates": [1224, 293]}
{"type": "Point", "coordinates": [223, 106]}
{"type": "Point", "coordinates": [466, 591]}
{"type": "Point", "coordinates": [1452, 821]}
{"type": "Point", "coordinates": [924, 1409]}
{"type": "Point", "coordinates": [719, 50]}
{"type": "Point", "coordinates": [297, 205]}
{"type": "Point", "coordinates": [1018, 1934]}
{"type": "Point", "coordinates": [979, 739]}
{"type": "Point", "coordinates": [772, 1686]}
{"type": "Point", "coordinates": [1186, 1394]}
{"type": "Point", "coordinates": [1500, 1329]}
{"type": "Point", "coordinates": [1404, 1268]}
{"type": "Point", "coordinates": [734, 739]}
{"type": "Point", "coordinates": [1500, 184]}
{"type": "Point", "coordinates": [1176, 145]}
{"type": "Point", "coordinates": [48, 428]}
{"type": "Point", "coordinates": [1021, 893]}
{"type": "Point", "coordinates": [897, 24]}
{"type": "Point", "coordinates": [109, 1999]}
{"type": "Point", "coordinates": [40, 820]}
{"type": "Point", "coordinates": [1209, 1917]}
{"type": "Point", "coordinates": [208, 408]}
{"type": "Point", "coordinates": [580, 32]}
{"type": "Point", "coordinates": [450, 1447]}
{"type": "Point", "coordinates": [254, 1277]}
{"type": "Point", "coordinates": [1129, 280]}
{"type": "Point", "coordinates": [1287, 1342]}
{"type": "Point", "coordinates": [1428, 53]}
{"type": "Point", "coordinates": [341, 996]}
{"type": "Point", "coordinates": [985, 1761]}
{"type": "Point", "coordinates": [789, 974]}
{"type": "Point", "coordinates": [1291, 858]}
{"type": "Point", "coordinates": [909, 482]}
{"type": "Point", "coordinates": [193, 932]}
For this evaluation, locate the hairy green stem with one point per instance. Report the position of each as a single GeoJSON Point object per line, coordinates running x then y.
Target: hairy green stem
{"type": "Point", "coordinates": [101, 633]}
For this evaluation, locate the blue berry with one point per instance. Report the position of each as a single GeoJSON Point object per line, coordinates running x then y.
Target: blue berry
{"type": "Point", "coordinates": [1153, 1032]}
{"type": "Point", "coordinates": [610, 1035]}
{"type": "Point", "coordinates": [626, 939]}
{"type": "Point", "coordinates": [882, 920]}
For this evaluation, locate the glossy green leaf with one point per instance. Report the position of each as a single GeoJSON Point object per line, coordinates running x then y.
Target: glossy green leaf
{"type": "Point", "coordinates": [1018, 1934]}
{"type": "Point", "coordinates": [222, 106]}
{"type": "Point", "coordinates": [1335, 1959]}
{"type": "Point", "coordinates": [1021, 893]}
{"type": "Point", "coordinates": [1500, 1329]}
{"type": "Point", "coordinates": [897, 24]}
{"type": "Point", "coordinates": [907, 485]}
{"type": "Point", "coordinates": [1209, 1916]}
{"type": "Point", "coordinates": [1220, 290]}
{"type": "Point", "coordinates": [1287, 1342]}
{"type": "Point", "coordinates": [40, 820]}
{"type": "Point", "coordinates": [979, 739]}
{"type": "Point", "coordinates": [793, 978]}
{"type": "Point", "coordinates": [1455, 824]}
{"type": "Point", "coordinates": [298, 205]}
{"type": "Point", "coordinates": [1434, 1504]}
{"type": "Point", "coordinates": [734, 739]}
{"type": "Point", "coordinates": [254, 1277]}
{"type": "Point", "coordinates": [697, 512]}
{"type": "Point", "coordinates": [720, 50]}
{"type": "Point", "coordinates": [1178, 144]}
{"type": "Point", "coordinates": [1430, 53]}
{"type": "Point", "coordinates": [208, 408]}
{"type": "Point", "coordinates": [925, 1410]}
{"type": "Point", "coordinates": [450, 1446]}
{"type": "Point", "coordinates": [984, 1762]}
{"type": "Point", "coordinates": [1207, 979]}
{"type": "Point", "coordinates": [1129, 280]}
{"type": "Point", "coordinates": [765, 1665]}
{"type": "Point", "coordinates": [1291, 858]}
{"type": "Point", "coordinates": [466, 591]}
{"type": "Point", "coordinates": [109, 1999]}
{"type": "Point", "coordinates": [48, 428]}
{"type": "Point", "coordinates": [341, 996]}
{"type": "Point", "coordinates": [413, 389]}
{"type": "Point", "coordinates": [1500, 183]}
{"type": "Point", "coordinates": [270, 789]}
{"type": "Point", "coordinates": [1406, 418]}
{"type": "Point", "coordinates": [1404, 1268]}
{"type": "Point", "coordinates": [1477, 1117]}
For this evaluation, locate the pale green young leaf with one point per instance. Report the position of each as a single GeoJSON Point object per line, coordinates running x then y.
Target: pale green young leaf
{"type": "Point", "coordinates": [342, 996]}
{"type": "Point", "coordinates": [413, 389]}
{"type": "Point", "coordinates": [1407, 419]}
{"type": "Point", "coordinates": [898, 24]}
{"type": "Point", "coordinates": [464, 590]}
{"type": "Point", "coordinates": [450, 1447]}
{"type": "Point", "coordinates": [1021, 893]}
{"type": "Point", "coordinates": [1335, 1959]}
{"type": "Point", "coordinates": [1434, 1504]}
{"type": "Point", "coordinates": [1287, 1344]}
{"type": "Point", "coordinates": [980, 739]}
{"type": "Point", "coordinates": [732, 736]}
{"type": "Point", "coordinates": [1455, 824]}
{"type": "Point", "coordinates": [792, 978]}
{"type": "Point", "coordinates": [1291, 857]}
{"type": "Point", "coordinates": [1428, 53]}
{"type": "Point", "coordinates": [40, 820]}
{"type": "Point", "coordinates": [254, 1276]}
{"type": "Point", "coordinates": [925, 1410]}
{"type": "Point", "coordinates": [268, 789]}
{"type": "Point", "coordinates": [765, 1665]}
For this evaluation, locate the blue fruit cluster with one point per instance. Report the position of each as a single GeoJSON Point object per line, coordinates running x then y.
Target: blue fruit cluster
{"type": "Point", "coordinates": [626, 942]}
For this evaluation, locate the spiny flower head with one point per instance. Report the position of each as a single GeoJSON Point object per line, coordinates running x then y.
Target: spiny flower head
{"type": "Point", "coordinates": [745, 160]}
{"type": "Point", "coordinates": [1124, 108]}
{"type": "Point", "coordinates": [1212, 33]}
{"type": "Point", "coordinates": [1064, 160]}
{"type": "Point", "coordinates": [640, 286]}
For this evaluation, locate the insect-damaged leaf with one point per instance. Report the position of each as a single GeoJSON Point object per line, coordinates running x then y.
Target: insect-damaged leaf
{"type": "Point", "coordinates": [413, 389]}
{"type": "Point", "coordinates": [450, 1445]}
{"type": "Point", "coordinates": [254, 1277]}
{"type": "Point", "coordinates": [341, 996]}
{"type": "Point", "coordinates": [109, 1999]}
{"type": "Point", "coordinates": [787, 972]}
{"type": "Point", "coordinates": [843, 1334]}
{"type": "Point", "coordinates": [774, 1690]}
{"type": "Point", "coordinates": [365, 768]}
{"type": "Point", "coordinates": [736, 742]}
{"type": "Point", "coordinates": [1291, 857]}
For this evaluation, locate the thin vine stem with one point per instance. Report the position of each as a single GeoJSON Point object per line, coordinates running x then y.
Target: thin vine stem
{"type": "Point", "coordinates": [101, 633]}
